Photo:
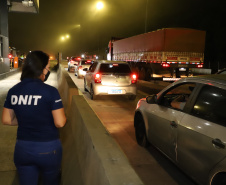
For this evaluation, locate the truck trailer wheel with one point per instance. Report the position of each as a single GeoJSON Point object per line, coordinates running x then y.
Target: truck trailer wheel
{"type": "Point", "coordinates": [149, 75]}
{"type": "Point", "coordinates": [142, 74]}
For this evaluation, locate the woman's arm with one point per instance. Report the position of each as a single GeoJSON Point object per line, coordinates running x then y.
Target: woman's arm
{"type": "Point", "coordinates": [59, 117]}
{"type": "Point", "coordinates": [9, 117]}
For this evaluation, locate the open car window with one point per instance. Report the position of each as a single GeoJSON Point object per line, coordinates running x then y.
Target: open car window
{"type": "Point", "coordinates": [177, 97]}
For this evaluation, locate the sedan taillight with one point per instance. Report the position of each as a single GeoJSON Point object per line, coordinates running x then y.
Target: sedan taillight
{"type": "Point", "coordinates": [133, 78]}
{"type": "Point", "coordinates": [97, 78]}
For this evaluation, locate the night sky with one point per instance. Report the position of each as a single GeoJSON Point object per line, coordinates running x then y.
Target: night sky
{"type": "Point", "coordinates": [119, 18]}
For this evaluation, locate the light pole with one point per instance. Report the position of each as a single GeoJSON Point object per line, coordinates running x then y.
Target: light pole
{"type": "Point", "coordinates": [99, 6]}
{"type": "Point", "coordinates": [63, 39]}
{"type": "Point", "coordinates": [146, 17]}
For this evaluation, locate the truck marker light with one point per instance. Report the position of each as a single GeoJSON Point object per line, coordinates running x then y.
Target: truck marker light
{"type": "Point", "coordinates": [165, 65]}
{"type": "Point", "coordinates": [199, 66]}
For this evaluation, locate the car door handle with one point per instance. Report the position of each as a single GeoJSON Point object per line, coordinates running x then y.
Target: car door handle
{"type": "Point", "coordinates": [173, 124]}
{"type": "Point", "coordinates": [218, 143]}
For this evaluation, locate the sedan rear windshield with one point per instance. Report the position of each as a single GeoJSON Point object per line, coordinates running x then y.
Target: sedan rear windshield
{"type": "Point", "coordinates": [86, 62]}
{"type": "Point", "coordinates": [115, 68]}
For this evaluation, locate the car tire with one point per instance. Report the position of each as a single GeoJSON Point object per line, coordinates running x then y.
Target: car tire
{"type": "Point", "coordinates": [140, 131]}
{"type": "Point", "coordinates": [219, 179]}
{"type": "Point", "coordinates": [132, 97]}
{"type": "Point", "coordinates": [85, 86]}
{"type": "Point", "coordinates": [68, 69]}
{"type": "Point", "coordinates": [92, 94]}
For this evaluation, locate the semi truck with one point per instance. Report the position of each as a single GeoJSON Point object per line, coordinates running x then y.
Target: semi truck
{"type": "Point", "coordinates": [167, 54]}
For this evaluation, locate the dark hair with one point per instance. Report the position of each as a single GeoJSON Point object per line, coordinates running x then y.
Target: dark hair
{"type": "Point", "coordinates": [34, 64]}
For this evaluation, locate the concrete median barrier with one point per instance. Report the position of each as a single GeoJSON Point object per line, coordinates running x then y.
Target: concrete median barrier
{"type": "Point", "coordinates": [66, 88]}
{"type": "Point", "coordinates": [90, 155]}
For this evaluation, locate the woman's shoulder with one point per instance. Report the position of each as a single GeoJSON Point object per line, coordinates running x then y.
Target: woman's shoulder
{"type": "Point", "coordinates": [15, 87]}
{"type": "Point", "coordinates": [49, 88]}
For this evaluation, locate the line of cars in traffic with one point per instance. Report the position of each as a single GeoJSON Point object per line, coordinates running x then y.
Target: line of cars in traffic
{"type": "Point", "coordinates": [192, 135]}
{"type": "Point", "coordinates": [102, 77]}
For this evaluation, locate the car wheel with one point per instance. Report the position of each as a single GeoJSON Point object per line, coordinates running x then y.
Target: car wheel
{"type": "Point", "coordinates": [68, 69]}
{"type": "Point", "coordinates": [85, 86]}
{"type": "Point", "coordinates": [132, 97]}
{"type": "Point", "coordinates": [93, 96]}
{"type": "Point", "coordinates": [140, 131]}
{"type": "Point", "coordinates": [219, 179]}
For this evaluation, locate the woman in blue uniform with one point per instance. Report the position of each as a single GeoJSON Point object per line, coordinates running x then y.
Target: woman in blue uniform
{"type": "Point", "coordinates": [38, 111]}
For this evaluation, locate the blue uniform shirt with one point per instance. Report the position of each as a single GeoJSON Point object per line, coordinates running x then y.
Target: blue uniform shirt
{"type": "Point", "coordinates": [33, 102]}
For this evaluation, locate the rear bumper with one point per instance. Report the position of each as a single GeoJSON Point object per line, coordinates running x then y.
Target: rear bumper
{"type": "Point", "coordinates": [100, 89]}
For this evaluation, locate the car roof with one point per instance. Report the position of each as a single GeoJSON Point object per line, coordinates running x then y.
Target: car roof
{"type": "Point", "coordinates": [221, 79]}
{"type": "Point", "coordinates": [220, 71]}
{"type": "Point", "coordinates": [213, 79]}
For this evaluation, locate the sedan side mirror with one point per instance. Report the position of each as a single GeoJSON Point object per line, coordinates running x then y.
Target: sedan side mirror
{"type": "Point", "coordinates": [152, 99]}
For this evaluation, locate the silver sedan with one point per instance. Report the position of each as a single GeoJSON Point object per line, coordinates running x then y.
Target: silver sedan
{"type": "Point", "coordinates": [110, 78]}
{"type": "Point", "coordinates": [187, 122]}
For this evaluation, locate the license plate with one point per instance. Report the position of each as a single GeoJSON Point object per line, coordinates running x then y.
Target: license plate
{"type": "Point", "coordinates": [115, 91]}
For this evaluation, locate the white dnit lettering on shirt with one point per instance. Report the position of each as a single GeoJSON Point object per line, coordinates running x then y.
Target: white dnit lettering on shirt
{"type": "Point", "coordinates": [25, 99]}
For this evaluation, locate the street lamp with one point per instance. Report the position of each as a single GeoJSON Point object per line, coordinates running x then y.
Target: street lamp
{"type": "Point", "coordinates": [100, 5]}
{"type": "Point", "coordinates": [63, 38]}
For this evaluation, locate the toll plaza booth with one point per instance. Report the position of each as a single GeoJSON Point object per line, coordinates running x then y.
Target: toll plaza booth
{"type": "Point", "coordinates": [15, 62]}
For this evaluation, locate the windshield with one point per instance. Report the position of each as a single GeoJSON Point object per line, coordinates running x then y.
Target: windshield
{"type": "Point", "coordinates": [115, 68]}
{"type": "Point", "coordinates": [86, 62]}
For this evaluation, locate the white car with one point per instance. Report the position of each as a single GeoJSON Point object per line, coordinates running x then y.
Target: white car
{"type": "Point", "coordinates": [82, 67]}
{"type": "Point", "coordinates": [193, 136]}
{"type": "Point", "coordinates": [110, 78]}
{"type": "Point", "coordinates": [73, 62]}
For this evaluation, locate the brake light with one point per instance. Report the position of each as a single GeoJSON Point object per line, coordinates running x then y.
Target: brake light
{"type": "Point", "coordinates": [10, 56]}
{"type": "Point", "coordinates": [133, 78]}
{"type": "Point", "coordinates": [200, 66]}
{"type": "Point", "coordinates": [88, 61]}
{"type": "Point", "coordinates": [97, 78]}
{"type": "Point", "coordinates": [165, 65]}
